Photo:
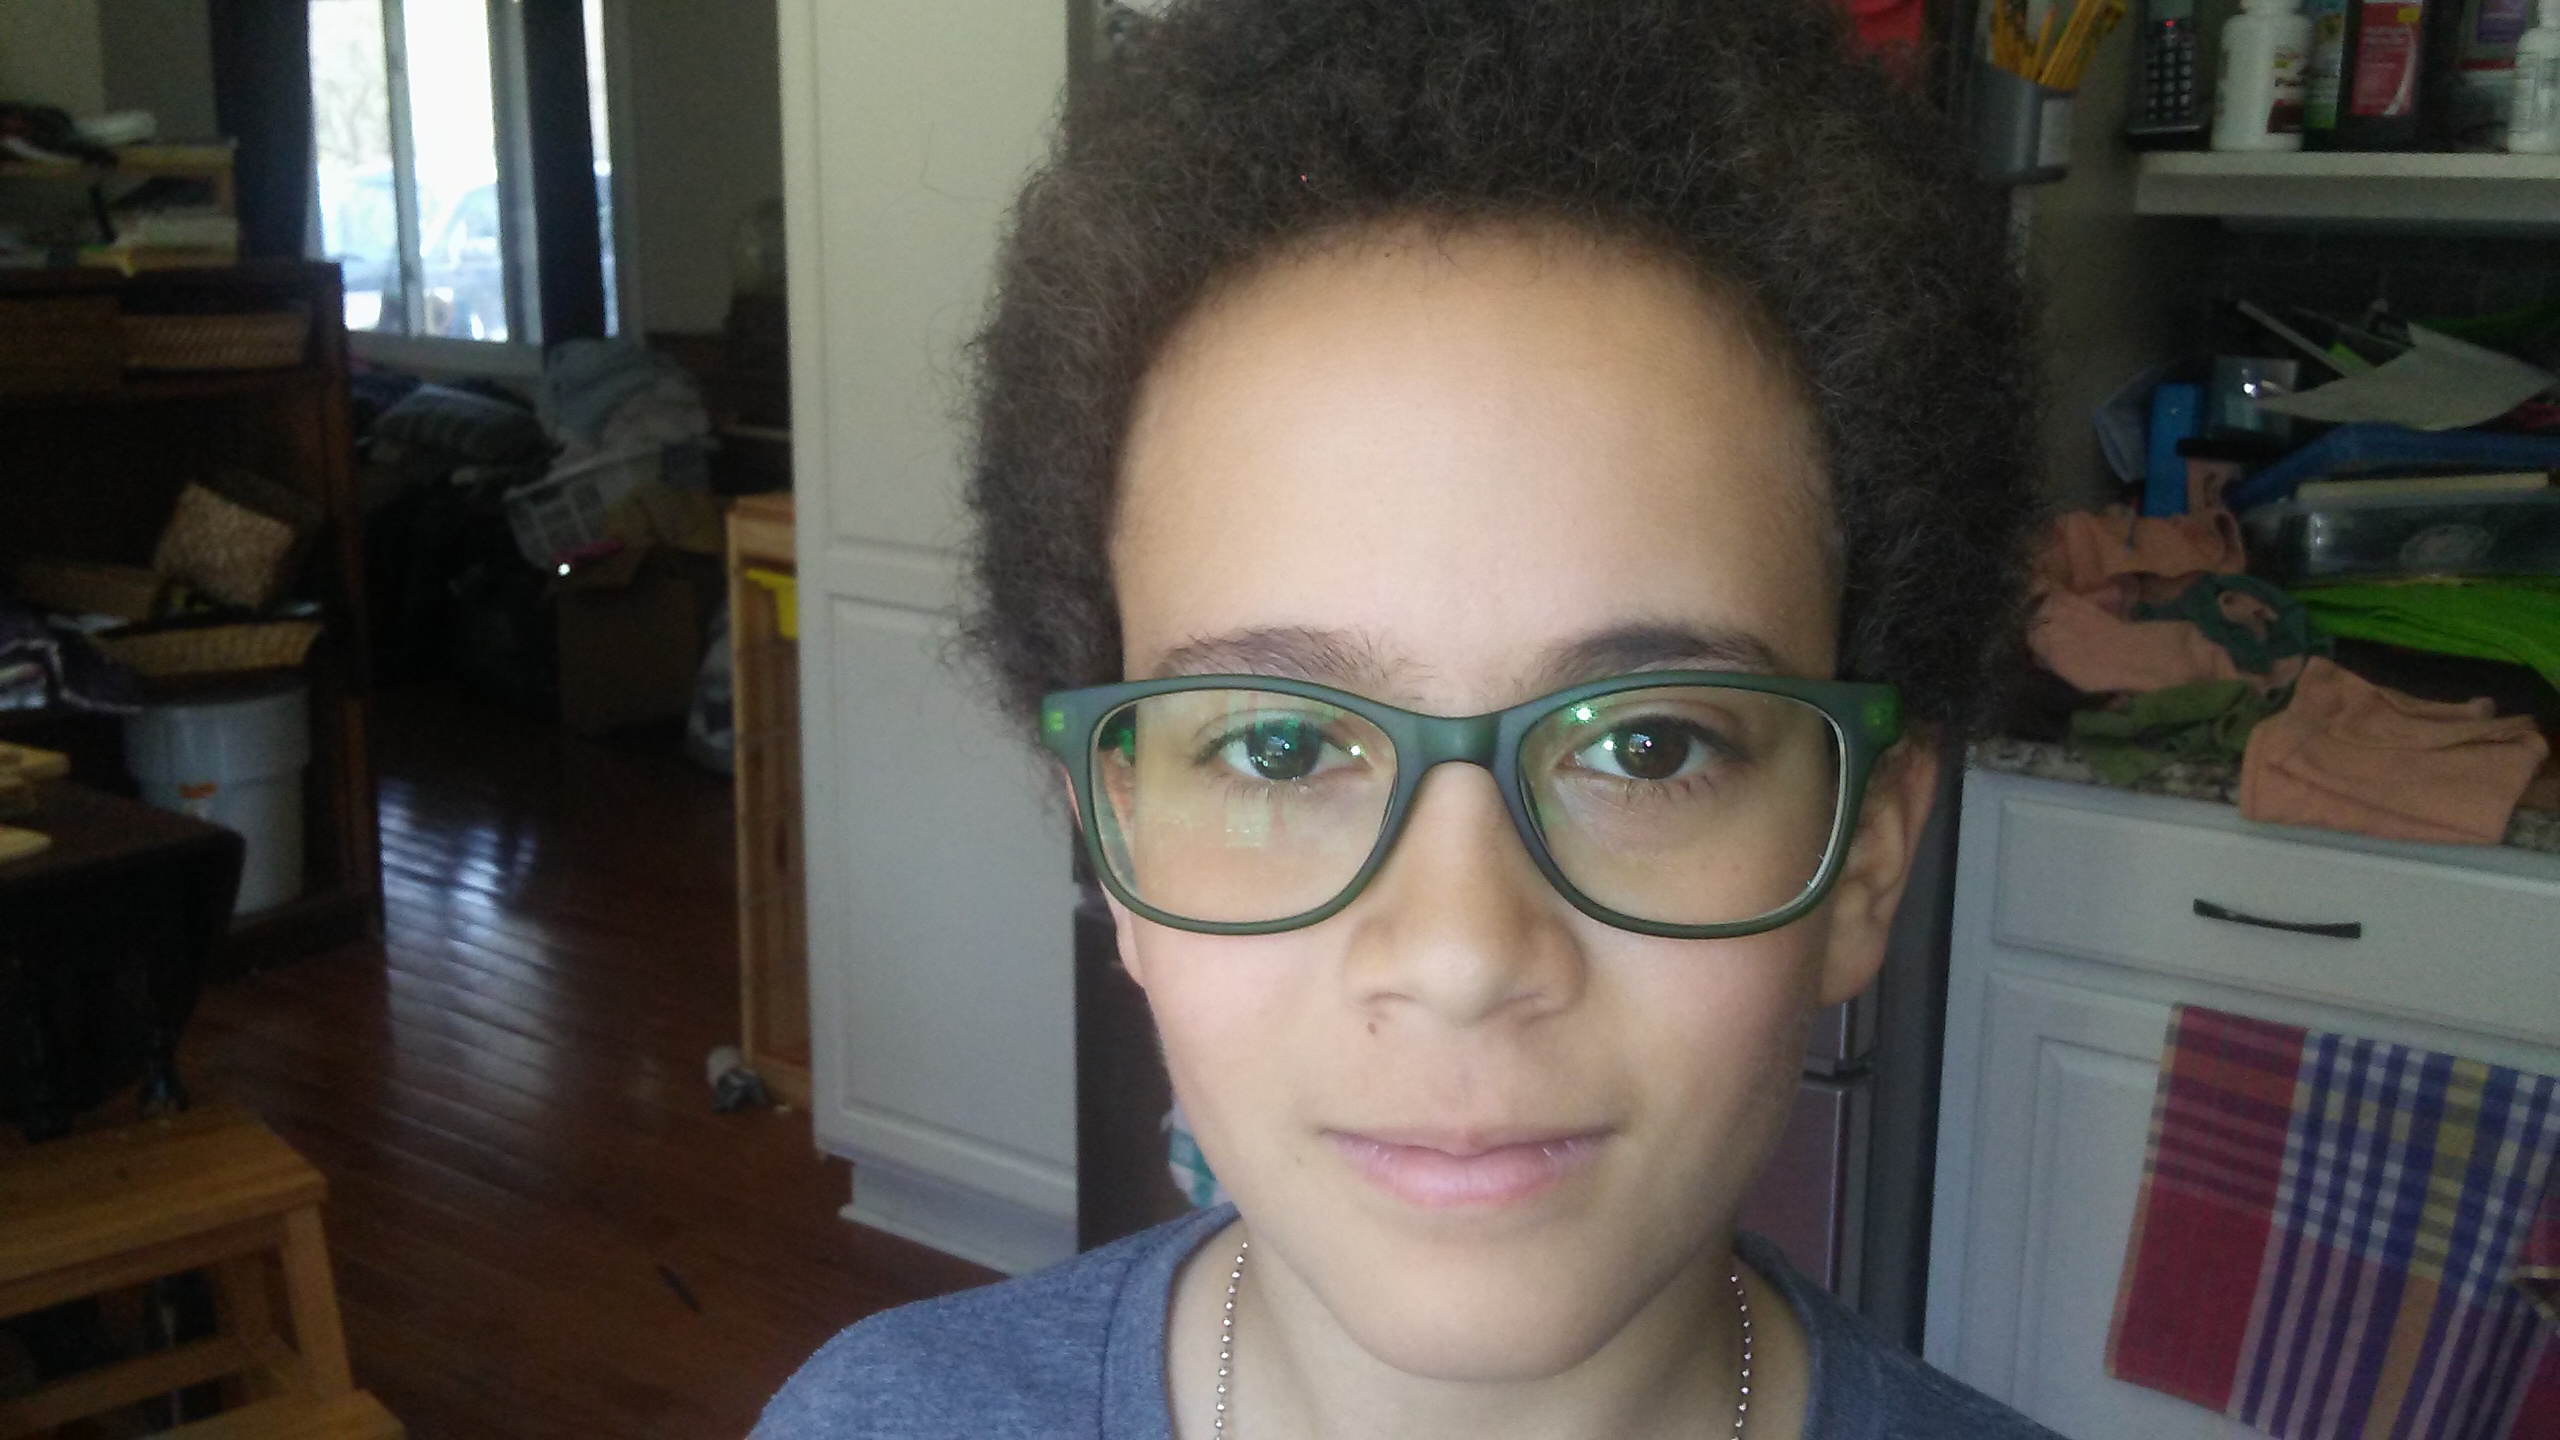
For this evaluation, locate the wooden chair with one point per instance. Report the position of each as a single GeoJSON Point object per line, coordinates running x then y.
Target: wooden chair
{"type": "Point", "coordinates": [210, 1190]}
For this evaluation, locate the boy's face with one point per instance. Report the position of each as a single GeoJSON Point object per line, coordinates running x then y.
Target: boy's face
{"type": "Point", "coordinates": [1482, 1129]}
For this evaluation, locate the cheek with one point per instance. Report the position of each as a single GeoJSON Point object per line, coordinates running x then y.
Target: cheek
{"type": "Point", "coordinates": [1227, 1011]}
{"type": "Point", "coordinates": [1715, 1040]}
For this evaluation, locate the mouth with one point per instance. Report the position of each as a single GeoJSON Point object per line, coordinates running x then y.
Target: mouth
{"type": "Point", "coordinates": [1452, 1170]}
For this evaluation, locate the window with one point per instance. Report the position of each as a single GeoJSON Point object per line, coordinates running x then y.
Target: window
{"type": "Point", "coordinates": [422, 166]}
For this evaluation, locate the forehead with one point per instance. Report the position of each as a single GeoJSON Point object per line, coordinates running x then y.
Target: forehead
{"type": "Point", "coordinates": [1464, 455]}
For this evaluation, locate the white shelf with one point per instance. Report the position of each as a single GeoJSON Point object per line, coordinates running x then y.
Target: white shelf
{"type": "Point", "coordinates": [2449, 190]}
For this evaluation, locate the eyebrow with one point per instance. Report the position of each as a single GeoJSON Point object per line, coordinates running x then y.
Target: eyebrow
{"type": "Point", "coordinates": [1294, 652]}
{"type": "Point", "coordinates": [1628, 649]}
{"type": "Point", "coordinates": [1356, 661]}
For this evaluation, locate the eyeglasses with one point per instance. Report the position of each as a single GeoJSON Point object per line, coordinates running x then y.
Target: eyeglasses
{"type": "Point", "coordinates": [1688, 804]}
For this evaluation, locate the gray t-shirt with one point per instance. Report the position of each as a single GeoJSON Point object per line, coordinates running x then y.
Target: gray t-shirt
{"type": "Point", "coordinates": [1078, 1350]}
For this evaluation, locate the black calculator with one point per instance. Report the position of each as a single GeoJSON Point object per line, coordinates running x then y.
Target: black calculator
{"type": "Point", "coordinates": [2170, 108]}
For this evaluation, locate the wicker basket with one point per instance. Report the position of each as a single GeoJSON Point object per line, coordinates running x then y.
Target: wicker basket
{"type": "Point", "coordinates": [213, 649]}
{"type": "Point", "coordinates": [261, 340]}
{"type": "Point", "coordinates": [55, 345]}
{"type": "Point", "coordinates": [84, 587]}
{"type": "Point", "coordinates": [238, 538]}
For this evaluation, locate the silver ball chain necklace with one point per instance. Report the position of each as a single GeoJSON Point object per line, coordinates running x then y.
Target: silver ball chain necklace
{"type": "Point", "coordinates": [1227, 1347]}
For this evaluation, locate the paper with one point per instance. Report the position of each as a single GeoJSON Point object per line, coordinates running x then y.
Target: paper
{"type": "Point", "coordinates": [2123, 421]}
{"type": "Point", "coordinates": [2440, 384]}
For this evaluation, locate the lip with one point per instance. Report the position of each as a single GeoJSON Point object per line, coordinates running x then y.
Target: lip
{"type": "Point", "coordinates": [1473, 1170]}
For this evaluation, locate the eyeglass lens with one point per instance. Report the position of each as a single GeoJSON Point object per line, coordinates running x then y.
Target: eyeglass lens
{"type": "Point", "coordinates": [1676, 804]}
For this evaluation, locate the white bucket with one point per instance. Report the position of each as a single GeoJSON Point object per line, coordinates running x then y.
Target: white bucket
{"type": "Point", "coordinates": [237, 762]}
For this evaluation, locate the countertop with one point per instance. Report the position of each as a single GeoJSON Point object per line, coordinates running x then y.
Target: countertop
{"type": "Point", "coordinates": [2537, 830]}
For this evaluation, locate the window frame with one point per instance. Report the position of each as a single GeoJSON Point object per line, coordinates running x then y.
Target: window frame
{"type": "Point", "coordinates": [520, 354]}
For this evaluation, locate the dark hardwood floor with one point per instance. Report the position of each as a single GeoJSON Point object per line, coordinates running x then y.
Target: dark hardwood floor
{"type": "Point", "coordinates": [508, 1099]}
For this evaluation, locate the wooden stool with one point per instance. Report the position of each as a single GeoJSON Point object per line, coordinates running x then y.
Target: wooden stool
{"type": "Point", "coordinates": [352, 1416]}
{"type": "Point", "coordinates": [209, 1190]}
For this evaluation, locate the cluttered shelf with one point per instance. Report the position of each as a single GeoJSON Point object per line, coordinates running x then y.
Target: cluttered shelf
{"type": "Point", "coordinates": [2440, 189]}
{"type": "Point", "coordinates": [181, 570]}
{"type": "Point", "coordinates": [119, 208]}
{"type": "Point", "coordinates": [2332, 594]}
{"type": "Point", "coordinates": [175, 389]}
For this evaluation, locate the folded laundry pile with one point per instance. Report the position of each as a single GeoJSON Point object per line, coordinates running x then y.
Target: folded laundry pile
{"type": "Point", "coordinates": [2097, 569]}
{"type": "Point", "coordinates": [2189, 659]}
{"type": "Point", "coordinates": [2517, 623]}
{"type": "Point", "coordinates": [2210, 720]}
{"type": "Point", "coordinates": [2348, 754]}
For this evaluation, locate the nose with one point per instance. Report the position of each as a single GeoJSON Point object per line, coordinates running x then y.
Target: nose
{"type": "Point", "coordinates": [1460, 925]}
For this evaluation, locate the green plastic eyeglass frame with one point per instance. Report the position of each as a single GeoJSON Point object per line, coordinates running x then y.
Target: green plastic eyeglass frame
{"type": "Point", "coordinates": [1867, 718]}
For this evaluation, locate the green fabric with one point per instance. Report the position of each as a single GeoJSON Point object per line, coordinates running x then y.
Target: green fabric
{"type": "Point", "coordinates": [2147, 733]}
{"type": "Point", "coordinates": [2287, 635]}
{"type": "Point", "coordinates": [2513, 621]}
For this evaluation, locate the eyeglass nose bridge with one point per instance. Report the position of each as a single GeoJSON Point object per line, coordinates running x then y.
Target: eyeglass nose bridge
{"type": "Point", "coordinates": [1428, 742]}
{"type": "Point", "coordinates": [1437, 740]}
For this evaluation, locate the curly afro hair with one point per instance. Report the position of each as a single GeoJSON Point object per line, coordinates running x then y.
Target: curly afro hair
{"type": "Point", "coordinates": [1742, 136]}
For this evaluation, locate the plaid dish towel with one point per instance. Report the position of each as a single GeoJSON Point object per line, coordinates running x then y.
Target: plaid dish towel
{"type": "Point", "coordinates": [2337, 1238]}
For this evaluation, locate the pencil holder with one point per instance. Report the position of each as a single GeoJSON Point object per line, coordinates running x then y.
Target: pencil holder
{"type": "Point", "coordinates": [2021, 130]}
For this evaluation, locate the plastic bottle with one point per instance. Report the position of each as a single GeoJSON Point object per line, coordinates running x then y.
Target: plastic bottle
{"type": "Point", "coordinates": [2473, 67]}
{"type": "Point", "coordinates": [2535, 125]}
{"type": "Point", "coordinates": [2324, 81]}
{"type": "Point", "coordinates": [2266, 52]}
{"type": "Point", "coordinates": [2384, 74]}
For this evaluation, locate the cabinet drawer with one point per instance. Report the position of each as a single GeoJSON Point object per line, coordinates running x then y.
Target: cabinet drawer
{"type": "Point", "coordinates": [2471, 948]}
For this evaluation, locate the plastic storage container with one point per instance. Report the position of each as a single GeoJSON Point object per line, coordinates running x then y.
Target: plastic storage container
{"type": "Point", "coordinates": [565, 510]}
{"type": "Point", "coordinates": [236, 761]}
{"type": "Point", "coordinates": [2411, 535]}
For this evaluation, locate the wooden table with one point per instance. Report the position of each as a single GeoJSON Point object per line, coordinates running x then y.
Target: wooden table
{"type": "Point", "coordinates": [103, 944]}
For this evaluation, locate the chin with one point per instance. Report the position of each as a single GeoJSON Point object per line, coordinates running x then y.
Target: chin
{"type": "Point", "coordinates": [1486, 1308]}
{"type": "Point", "coordinates": [1491, 1328]}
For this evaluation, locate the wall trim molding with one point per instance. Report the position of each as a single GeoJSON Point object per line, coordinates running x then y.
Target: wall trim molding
{"type": "Point", "coordinates": [868, 1134]}
{"type": "Point", "coordinates": [957, 1221]}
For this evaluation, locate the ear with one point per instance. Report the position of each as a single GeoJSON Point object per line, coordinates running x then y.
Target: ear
{"type": "Point", "coordinates": [1898, 799]}
{"type": "Point", "coordinates": [1067, 787]}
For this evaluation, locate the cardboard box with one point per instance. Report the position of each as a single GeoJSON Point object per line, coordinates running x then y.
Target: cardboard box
{"type": "Point", "coordinates": [632, 631]}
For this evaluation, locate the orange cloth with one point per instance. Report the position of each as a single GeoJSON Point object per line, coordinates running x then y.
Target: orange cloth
{"type": "Point", "coordinates": [2543, 793]}
{"type": "Point", "coordinates": [2123, 557]}
{"type": "Point", "coordinates": [2348, 754]}
{"type": "Point", "coordinates": [2093, 570]}
{"type": "Point", "coordinates": [2098, 652]}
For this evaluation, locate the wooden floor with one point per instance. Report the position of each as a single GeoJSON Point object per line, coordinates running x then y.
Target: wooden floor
{"type": "Point", "coordinates": [508, 1099]}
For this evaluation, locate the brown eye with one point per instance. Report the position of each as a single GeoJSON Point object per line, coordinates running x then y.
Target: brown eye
{"type": "Point", "coordinates": [1287, 750]}
{"type": "Point", "coordinates": [1279, 749]}
{"type": "Point", "coordinates": [1652, 751]}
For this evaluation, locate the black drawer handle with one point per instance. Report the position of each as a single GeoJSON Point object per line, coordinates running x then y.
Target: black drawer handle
{"type": "Point", "coordinates": [2343, 930]}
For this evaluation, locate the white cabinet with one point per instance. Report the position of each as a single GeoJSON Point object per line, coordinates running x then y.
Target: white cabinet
{"type": "Point", "coordinates": [2076, 931]}
{"type": "Point", "coordinates": [940, 907]}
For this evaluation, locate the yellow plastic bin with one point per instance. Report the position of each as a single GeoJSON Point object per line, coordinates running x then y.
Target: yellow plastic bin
{"type": "Point", "coordinates": [785, 587]}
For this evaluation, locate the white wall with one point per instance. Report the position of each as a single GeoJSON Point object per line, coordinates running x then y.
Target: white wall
{"type": "Point", "coordinates": [940, 906]}
{"type": "Point", "coordinates": [2118, 287]}
{"type": "Point", "coordinates": [705, 128]}
{"type": "Point", "coordinates": [158, 56]}
{"type": "Point", "coordinates": [49, 54]}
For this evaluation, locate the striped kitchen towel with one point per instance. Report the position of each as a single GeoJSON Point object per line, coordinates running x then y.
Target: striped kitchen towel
{"type": "Point", "coordinates": [2336, 1238]}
